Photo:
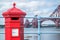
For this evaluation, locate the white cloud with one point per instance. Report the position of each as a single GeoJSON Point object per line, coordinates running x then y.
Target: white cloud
{"type": "Point", "coordinates": [21, 4]}
{"type": "Point", "coordinates": [42, 3]}
{"type": "Point", "coordinates": [51, 4]}
{"type": "Point", "coordinates": [30, 7]}
{"type": "Point", "coordinates": [37, 12]}
{"type": "Point", "coordinates": [31, 4]}
{"type": "Point", "coordinates": [43, 13]}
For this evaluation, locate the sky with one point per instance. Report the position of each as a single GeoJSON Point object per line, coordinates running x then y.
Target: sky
{"type": "Point", "coordinates": [42, 8]}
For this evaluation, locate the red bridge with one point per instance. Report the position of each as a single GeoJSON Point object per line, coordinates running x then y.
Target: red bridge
{"type": "Point", "coordinates": [55, 17]}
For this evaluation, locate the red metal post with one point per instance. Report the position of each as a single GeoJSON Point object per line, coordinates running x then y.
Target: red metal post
{"type": "Point", "coordinates": [14, 27]}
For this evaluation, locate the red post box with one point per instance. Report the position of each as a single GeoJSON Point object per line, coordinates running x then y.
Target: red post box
{"type": "Point", "coordinates": [14, 27]}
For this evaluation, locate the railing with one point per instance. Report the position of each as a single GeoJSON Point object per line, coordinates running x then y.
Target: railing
{"type": "Point", "coordinates": [34, 33]}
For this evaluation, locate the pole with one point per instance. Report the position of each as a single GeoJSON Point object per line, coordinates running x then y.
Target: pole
{"type": "Point", "coordinates": [38, 29]}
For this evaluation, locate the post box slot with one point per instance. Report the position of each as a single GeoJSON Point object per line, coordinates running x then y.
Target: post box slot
{"type": "Point", "coordinates": [14, 18]}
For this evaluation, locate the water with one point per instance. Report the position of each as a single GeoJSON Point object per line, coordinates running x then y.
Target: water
{"type": "Point", "coordinates": [2, 35]}
{"type": "Point", "coordinates": [51, 33]}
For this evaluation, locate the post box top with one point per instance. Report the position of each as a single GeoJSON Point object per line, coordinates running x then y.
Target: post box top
{"type": "Point", "coordinates": [14, 11]}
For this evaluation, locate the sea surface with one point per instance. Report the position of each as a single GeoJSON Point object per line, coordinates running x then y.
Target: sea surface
{"type": "Point", "coordinates": [47, 33]}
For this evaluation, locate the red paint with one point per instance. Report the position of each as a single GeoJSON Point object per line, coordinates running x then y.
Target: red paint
{"type": "Point", "coordinates": [13, 20]}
